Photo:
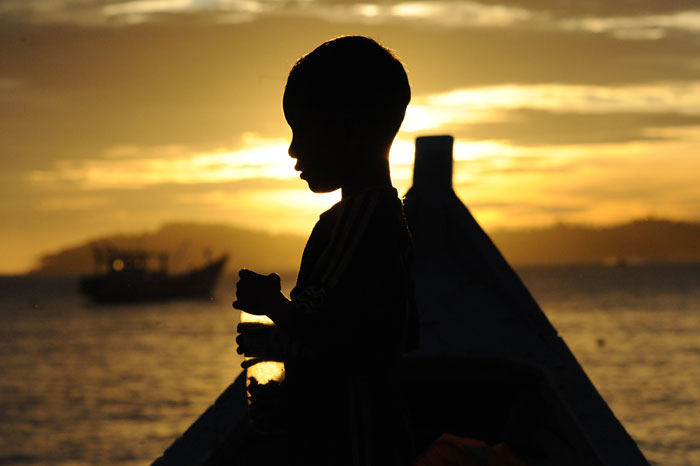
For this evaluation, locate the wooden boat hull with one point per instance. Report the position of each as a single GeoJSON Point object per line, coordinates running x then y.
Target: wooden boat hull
{"type": "Point", "coordinates": [492, 400]}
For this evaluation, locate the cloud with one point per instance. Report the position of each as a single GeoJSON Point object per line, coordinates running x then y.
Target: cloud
{"type": "Point", "coordinates": [520, 165]}
{"type": "Point", "coordinates": [72, 203]}
{"type": "Point", "coordinates": [9, 84]}
{"type": "Point", "coordinates": [648, 27]}
{"type": "Point", "coordinates": [457, 13]}
{"type": "Point", "coordinates": [450, 14]}
{"type": "Point", "coordinates": [645, 20]}
{"type": "Point", "coordinates": [86, 89]}
{"type": "Point", "coordinates": [558, 114]}
{"type": "Point", "coordinates": [261, 164]}
{"type": "Point", "coordinates": [643, 15]}
{"type": "Point", "coordinates": [133, 168]}
{"type": "Point", "coordinates": [530, 127]}
{"type": "Point", "coordinates": [452, 59]}
{"type": "Point", "coordinates": [608, 183]}
{"type": "Point", "coordinates": [222, 11]}
{"type": "Point", "coordinates": [267, 203]}
{"type": "Point", "coordinates": [571, 9]}
{"type": "Point", "coordinates": [476, 103]}
{"type": "Point", "coordinates": [145, 7]}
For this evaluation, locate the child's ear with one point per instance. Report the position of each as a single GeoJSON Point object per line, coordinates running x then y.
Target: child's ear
{"type": "Point", "coordinates": [353, 129]}
{"type": "Point", "coordinates": [342, 128]}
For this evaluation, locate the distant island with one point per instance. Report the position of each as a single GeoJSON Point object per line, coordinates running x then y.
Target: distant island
{"type": "Point", "coordinates": [189, 244]}
{"type": "Point", "coordinates": [641, 241]}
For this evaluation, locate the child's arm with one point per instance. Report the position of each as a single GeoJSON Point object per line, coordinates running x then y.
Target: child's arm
{"type": "Point", "coordinates": [360, 317]}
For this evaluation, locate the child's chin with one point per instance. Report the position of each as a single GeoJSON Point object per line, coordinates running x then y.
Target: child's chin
{"type": "Point", "coordinates": [320, 188]}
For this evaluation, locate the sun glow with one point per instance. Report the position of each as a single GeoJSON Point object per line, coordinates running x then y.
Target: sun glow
{"type": "Point", "coordinates": [505, 185]}
{"type": "Point", "coordinates": [138, 168]}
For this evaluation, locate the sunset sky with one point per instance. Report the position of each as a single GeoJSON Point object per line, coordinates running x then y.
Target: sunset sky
{"type": "Point", "coordinates": [118, 116]}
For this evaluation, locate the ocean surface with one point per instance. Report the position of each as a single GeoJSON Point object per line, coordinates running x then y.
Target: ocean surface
{"type": "Point", "coordinates": [82, 384]}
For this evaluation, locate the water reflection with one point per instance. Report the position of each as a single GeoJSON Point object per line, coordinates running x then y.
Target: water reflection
{"type": "Point", "coordinates": [85, 385]}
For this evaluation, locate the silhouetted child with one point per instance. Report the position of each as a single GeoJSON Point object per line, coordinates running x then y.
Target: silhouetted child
{"type": "Point", "coordinates": [352, 313]}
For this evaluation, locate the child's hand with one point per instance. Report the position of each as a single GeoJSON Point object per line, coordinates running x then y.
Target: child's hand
{"type": "Point", "coordinates": [259, 341]}
{"type": "Point", "coordinates": [258, 294]}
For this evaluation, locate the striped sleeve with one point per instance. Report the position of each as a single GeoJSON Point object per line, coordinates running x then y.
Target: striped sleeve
{"type": "Point", "coordinates": [354, 218]}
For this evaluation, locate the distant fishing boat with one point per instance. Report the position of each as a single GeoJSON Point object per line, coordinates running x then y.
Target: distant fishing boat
{"type": "Point", "coordinates": [490, 365]}
{"type": "Point", "coordinates": [127, 276]}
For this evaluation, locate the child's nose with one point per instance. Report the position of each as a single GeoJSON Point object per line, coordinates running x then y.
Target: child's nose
{"type": "Point", "coordinates": [292, 151]}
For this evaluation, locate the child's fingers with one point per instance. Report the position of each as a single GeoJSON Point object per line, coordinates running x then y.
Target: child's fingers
{"type": "Point", "coordinates": [275, 279]}
{"type": "Point", "coordinates": [249, 362]}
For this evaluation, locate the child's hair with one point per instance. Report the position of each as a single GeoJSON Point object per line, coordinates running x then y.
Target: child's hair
{"type": "Point", "coordinates": [353, 77]}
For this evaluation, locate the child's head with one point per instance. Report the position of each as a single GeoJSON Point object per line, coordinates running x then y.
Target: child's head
{"type": "Point", "coordinates": [345, 102]}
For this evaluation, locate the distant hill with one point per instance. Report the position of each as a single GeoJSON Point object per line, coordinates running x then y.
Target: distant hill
{"type": "Point", "coordinates": [641, 241]}
{"type": "Point", "coordinates": [187, 245]}
{"type": "Point", "coordinates": [649, 240]}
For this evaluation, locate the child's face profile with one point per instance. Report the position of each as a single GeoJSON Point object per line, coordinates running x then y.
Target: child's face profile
{"type": "Point", "coordinates": [316, 145]}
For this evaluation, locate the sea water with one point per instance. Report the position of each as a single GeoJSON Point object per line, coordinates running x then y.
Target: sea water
{"type": "Point", "coordinates": [82, 384]}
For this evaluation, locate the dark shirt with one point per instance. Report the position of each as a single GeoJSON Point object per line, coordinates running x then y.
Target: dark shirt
{"type": "Point", "coordinates": [354, 316]}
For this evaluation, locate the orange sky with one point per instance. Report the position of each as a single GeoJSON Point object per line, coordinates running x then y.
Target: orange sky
{"type": "Point", "coordinates": [121, 115]}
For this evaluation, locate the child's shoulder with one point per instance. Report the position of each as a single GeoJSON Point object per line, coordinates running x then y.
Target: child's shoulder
{"type": "Point", "coordinates": [372, 214]}
{"type": "Point", "coordinates": [367, 212]}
